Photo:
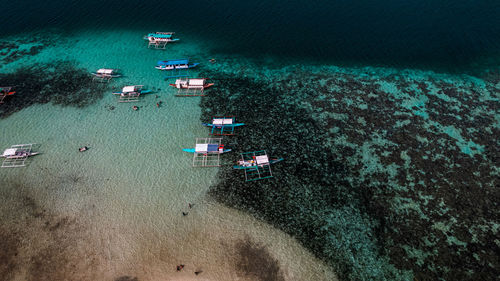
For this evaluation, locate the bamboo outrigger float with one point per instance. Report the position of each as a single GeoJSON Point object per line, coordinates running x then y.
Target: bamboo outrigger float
{"type": "Point", "coordinates": [256, 164]}
{"type": "Point", "coordinates": [4, 92]}
{"type": "Point", "coordinates": [223, 125]}
{"type": "Point", "coordinates": [16, 155]}
{"type": "Point", "coordinates": [105, 74]}
{"type": "Point", "coordinates": [207, 152]}
{"type": "Point", "coordinates": [159, 40]}
{"type": "Point", "coordinates": [131, 93]}
{"type": "Point", "coordinates": [191, 87]}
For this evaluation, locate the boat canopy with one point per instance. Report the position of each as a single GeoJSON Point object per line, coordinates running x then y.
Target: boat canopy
{"type": "Point", "coordinates": [173, 62]}
{"type": "Point", "coordinates": [128, 89]}
{"type": "Point", "coordinates": [160, 35]}
{"type": "Point", "coordinates": [222, 121]}
{"type": "Point", "coordinates": [196, 82]}
{"type": "Point", "coordinates": [206, 147]}
{"type": "Point", "coordinates": [105, 71]}
{"type": "Point", "coordinates": [262, 159]}
{"type": "Point", "coordinates": [9, 152]}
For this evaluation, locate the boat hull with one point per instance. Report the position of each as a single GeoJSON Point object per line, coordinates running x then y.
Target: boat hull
{"type": "Point", "coordinates": [220, 126]}
{"type": "Point", "coordinates": [188, 87]}
{"type": "Point", "coordinates": [20, 156]}
{"type": "Point", "coordinates": [141, 92]}
{"type": "Point", "coordinates": [159, 67]}
{"type": "Point", "coordinates": [192, 150]}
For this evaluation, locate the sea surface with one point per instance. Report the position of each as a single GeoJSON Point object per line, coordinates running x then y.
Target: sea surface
{"type": "Point", "coordinates": [387, 114]}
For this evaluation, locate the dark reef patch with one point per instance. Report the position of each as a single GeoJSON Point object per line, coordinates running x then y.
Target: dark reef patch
{"type": "Point", "coordinates": [30, 45]}
{"type": "Point", "coordinates": [60, 82]}
{"type": "Point", "coordinates": [256, 261]}
{"type": "Point", "coordinates": [382, 176]}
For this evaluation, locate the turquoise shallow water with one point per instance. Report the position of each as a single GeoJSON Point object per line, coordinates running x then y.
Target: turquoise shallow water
{"type": "Point", "coordinates": [115, 211]}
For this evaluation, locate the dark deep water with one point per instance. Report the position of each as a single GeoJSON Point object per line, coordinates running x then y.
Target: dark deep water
{"type": "Point", "coordinates": [451, 35]}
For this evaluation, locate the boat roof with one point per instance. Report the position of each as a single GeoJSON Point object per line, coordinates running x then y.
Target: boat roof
{"type": "Point", "coordinates": [197, 82]}
{"type": "Point", "coordinates": [161, 35]}
{"type": "Point", "coordinates": [105, 71]}
{"type": "Point", "coordinates": [206, 147]}
{"type": "Point", "coordinates": [9, 152]}
{"type": "Point", "coordinates": [222, 121]}
{"type": "Point", "coordinates": [262, 159]}
{"type": "Point", "coordinates": [128, 89]}
{"type": "Point", "coordinates": [173, 62]}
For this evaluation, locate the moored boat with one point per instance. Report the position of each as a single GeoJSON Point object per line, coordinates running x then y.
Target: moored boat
{"type": "Point", "coordinates": [177, 64]}
{"type": "Point", "coordinates": [251, 164]}
{"type": "Point", "coordinates": [13, 153]}
{"type": "Point", "coordinates": [256, 164]}
{"type": "Point", "coordinates": [207, 148]}
{"type": "Point", "coordinates": [131, 93]}
{"type": "Point", "coordinates": [106, 74]}
{"type": "Point", "coordinates": [159, 40]}
{"type": "Point", "coordinates": [192, 84]}
{"type": "Point", "coordinates": [223, 125]}
{"type": "Point", "coordinates": [17, 155]}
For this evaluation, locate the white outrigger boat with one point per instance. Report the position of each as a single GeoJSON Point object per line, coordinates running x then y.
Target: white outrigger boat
{"type": "Point", "coordinates": [16, 155]}
{"type": "Point", "coordinates": [189, 87]}
{"type": "Point", "coordinates": [105, 74]}
{"type": "Point", "coordinates": [131, 93]}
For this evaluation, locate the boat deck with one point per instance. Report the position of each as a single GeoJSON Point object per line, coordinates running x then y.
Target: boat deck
{"type": "Point", "coordinates": [207, 159]}
{"type": "Point", "coordinates": [223, 126]}
{"type": "Point", "coordinates": [261, 169]}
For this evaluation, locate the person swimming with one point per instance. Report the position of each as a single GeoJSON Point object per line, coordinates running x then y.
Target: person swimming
{"type": "Point", "coordinates": [83, 148]}
{"type": "Point", "coordinates": [135, 107]}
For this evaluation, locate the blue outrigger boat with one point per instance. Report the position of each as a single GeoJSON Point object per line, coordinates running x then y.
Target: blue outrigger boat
{"type": "Point", "coordinates": [207, 152]}
{"type": "Point", "coordinates": [207, 148]}
{"type": "Point", "coordinates": [160, 39]}
{"type": "Point", "coordinates": [223, 125]}
{"type": "Point", "coordinates": [256, 164]}
{"type": "Point", "coordinates": [176, 64]}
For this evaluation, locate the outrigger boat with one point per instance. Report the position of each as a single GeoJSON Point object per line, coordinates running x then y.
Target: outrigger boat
{"type": "Point", "coordinates": [256, 164]}
{"type": "Point", "coordinates": [207, 152]}
{"type": "Point", "coordinates": [223, 125]}
{"type": "Point", "coordinates": [175, 64]}
{"type": "Point", "coordinates": [191, 86]}
{"type": "Point", "coordinates": [16, 155]}
{"type": "Point", "coordinates": [131, 93]}
{"type": "Point", "coordinates": [160, 39]}
{"type": "Point", "coordinates": [4, 92]}
{"type": "Point", "coordinates": [105, 74]}
{"type": "Point", "coordinates": [207, 148]}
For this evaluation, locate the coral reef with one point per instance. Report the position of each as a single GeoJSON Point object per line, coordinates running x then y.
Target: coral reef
{"type": "Point", "coordinates": [386, 175]}
{"type": "Point", "coordinates": [60, 82]}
